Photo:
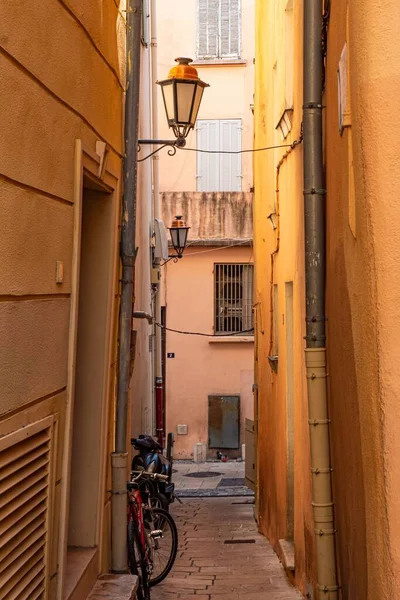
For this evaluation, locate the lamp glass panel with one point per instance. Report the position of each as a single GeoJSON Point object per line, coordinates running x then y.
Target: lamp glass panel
{"type": "Point", "coordinates": [196, 105]}
{"type": "Point", "coordinates": [185, 93]}
{"type": "Point", "coordinates": [179, 237]}
{"type": "Point", "coordinates": [174, 237]}
{"type": "Point", "coordinates": [168, 93]}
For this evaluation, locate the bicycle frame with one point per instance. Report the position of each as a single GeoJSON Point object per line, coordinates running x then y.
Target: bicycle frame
{"type": "Point", "coordinates": [135, 512]}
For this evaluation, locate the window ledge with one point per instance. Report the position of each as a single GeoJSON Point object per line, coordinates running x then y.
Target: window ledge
{"type": "Point", "coordinates": [228, 339]}
{"type": "Point", "coordinates": [220, 62]}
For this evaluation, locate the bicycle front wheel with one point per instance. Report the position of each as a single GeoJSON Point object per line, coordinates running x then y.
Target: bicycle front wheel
{"type": "Point", "coordinates": [137, 562]}
{"type": "Point", "coordinates": [163, 543]}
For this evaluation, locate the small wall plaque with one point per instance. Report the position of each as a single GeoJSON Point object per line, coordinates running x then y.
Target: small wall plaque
{"type": "Point", "coordinates": [170, 354]}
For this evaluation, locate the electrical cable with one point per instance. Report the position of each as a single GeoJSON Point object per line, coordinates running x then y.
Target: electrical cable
{"type": "Point", "coordinates": [235, 151]}
{"type": "Point", "coordinates": [235, 245]}
{"type": "Point", "coordinates": [203, 334]}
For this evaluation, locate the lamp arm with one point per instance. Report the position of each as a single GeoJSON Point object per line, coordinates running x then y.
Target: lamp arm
{"type": "Point", "coordinates": [173, 145]}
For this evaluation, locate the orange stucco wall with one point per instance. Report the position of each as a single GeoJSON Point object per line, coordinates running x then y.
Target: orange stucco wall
{"type": "Point", "coordinates": [363, 297]}
{"type": "Point", "coordinates": [202, 365]}
{"type": "Point", "coordinates": [62, 81]}
{"type": "Point", "coordinates": [361, 303]}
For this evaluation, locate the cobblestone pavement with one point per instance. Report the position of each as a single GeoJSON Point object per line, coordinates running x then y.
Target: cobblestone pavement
{"type": "Point", "coordinates": [210, 567]}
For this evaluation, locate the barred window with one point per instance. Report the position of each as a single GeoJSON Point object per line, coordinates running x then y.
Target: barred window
{"type": "Point", "coordinates": [218, 29]}
{"type": "Point", "coordinates": [233, 298]}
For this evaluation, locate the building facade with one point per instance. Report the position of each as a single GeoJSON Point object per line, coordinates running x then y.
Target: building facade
{"type": "Point", "coordinates": [60, 188]}
{"type": "Point", "coordinates": [361, 67]}
{"type": "Point", "coordinates": [208, 378]}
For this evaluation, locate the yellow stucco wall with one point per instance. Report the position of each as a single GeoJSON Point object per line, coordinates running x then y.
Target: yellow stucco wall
{"type": "Point", "coordinates": [62, 80]}
{"type": "Point", "coordinates": [362, 294]}
{"type": "Point", "coordinates": [271, 93]}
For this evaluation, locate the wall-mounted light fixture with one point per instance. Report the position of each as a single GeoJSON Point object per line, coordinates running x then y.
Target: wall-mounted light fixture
{"type": "Point", "coordinates": [179, 233]}
{"type": "Point", "coordinates": [182, 93]}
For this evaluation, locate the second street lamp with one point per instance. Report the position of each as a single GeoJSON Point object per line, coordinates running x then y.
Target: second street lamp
{"type": "Point", "coordinates": [179, 233]}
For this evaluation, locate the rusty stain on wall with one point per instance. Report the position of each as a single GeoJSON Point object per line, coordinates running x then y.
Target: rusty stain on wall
{"type": "Point", "coordinates": [211, 215]}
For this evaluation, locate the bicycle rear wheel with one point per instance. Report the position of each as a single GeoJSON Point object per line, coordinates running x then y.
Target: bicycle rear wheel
{"type": "Point", "coordinates": [137, 562]}
{"type": "Point", "coordinates": [163, 543]}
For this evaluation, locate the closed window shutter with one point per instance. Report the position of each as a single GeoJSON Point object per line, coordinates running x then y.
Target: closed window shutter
{"type": "Point", "coordinates": [207, 28]}
{"type": "Point", "coordinates": [231, 164]}
{"type": "Point", "coordinates": [247, 318]}
{"type": "Point", "coordinates": [208, 164]}
{"type": "Point", "coordinates": [229, 28]}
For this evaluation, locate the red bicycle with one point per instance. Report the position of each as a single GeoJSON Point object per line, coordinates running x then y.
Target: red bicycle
{"type": "Point", "coordinates": [152, 534]}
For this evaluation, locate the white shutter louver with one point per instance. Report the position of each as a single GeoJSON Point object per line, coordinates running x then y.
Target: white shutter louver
{"type": "Point", "coordinates": [229, 29]}
{"type": "Point", "coordinates": [208, 164]}
{"type": "Point", "coordinates": [218, 29]}
{"type": "Point", "coordinates": [24, 507]}
{"type": "Point", "coordinates": [207, 28]}
{"type": "Point", "coordinates": [247, 319]}
{"type": "Point", "coordinates": [231, 164]}
{"type": "Point", "coordinates": [219, 172]}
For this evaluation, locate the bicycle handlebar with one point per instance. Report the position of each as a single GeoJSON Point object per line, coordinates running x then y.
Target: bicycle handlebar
{"type": "Point", "coordinates": [137, 475]}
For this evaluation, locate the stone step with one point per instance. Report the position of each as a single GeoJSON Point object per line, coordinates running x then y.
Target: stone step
{"type": "Point", "coordinates": [114, 587]}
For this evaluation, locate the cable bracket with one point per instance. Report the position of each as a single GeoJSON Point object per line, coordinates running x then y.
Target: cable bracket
{"type": "Point", "coordinates": [313, 105]}
{"type": "Point", "coordinates": [314, 191]}
{"type": "Point", "coordinates": [328, 588]}
{"type": "Point", "coordinates": [318, 471]}
{"type": "Point", "coordinates": [322, 532]}
{"type": "Point", "coordinates": [319, 421]}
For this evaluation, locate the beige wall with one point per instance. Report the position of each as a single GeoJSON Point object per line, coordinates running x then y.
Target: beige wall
{"type": "Point", "coordinates": [202, 365]}
{"type": "Point", "coordinates": [229, 96]}
{"type": "Point", "coordinates": [59, 84]}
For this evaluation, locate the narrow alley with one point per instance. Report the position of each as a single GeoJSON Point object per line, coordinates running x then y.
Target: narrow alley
{"type": "Point", "coordinates": [221, 556]}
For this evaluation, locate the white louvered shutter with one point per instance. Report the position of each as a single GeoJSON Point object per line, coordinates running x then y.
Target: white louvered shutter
{"type": "Point", "coordinates": [230, 164]}
{"type": "Point", "coordinates": [25, 503]}
{"type": "Point", "coordinates": [229, 29]}
{"type": "Point", "coordinates": [207, 28]}
{"type": "Point", "coordinates": [208, 164]}
{"type": "Point", "coordinates": [247, 308]}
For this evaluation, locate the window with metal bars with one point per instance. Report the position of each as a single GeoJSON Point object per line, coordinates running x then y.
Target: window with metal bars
{"type": "Point", "coordinates": [218, 29]}
{"type": "Point", "coordinates": [233, 298]}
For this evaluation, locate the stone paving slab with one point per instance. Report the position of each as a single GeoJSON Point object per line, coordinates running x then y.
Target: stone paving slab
{"type": "Point", "coordinates": [191, 487]}
{"type": "Point", "coordinates": [207, 568]}
{"type": "Point", "coordinates": [114, 587]}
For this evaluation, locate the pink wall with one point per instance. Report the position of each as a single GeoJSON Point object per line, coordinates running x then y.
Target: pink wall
{"type": "Point", "coordinates": [202, 365]}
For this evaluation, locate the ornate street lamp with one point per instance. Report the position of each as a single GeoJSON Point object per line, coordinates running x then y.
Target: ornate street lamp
{"type": "Point", "coordinates": [179, 233]}
{"type": "Point", "coordinates": [182, 93]}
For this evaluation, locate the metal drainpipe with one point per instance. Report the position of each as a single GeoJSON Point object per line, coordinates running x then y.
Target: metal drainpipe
{"type": "Point", "coordinates": [119, 458]}
{"type": "Point", "coordinates": [159, 383]}
{"type": "Point", "coordinates": [315, 353]}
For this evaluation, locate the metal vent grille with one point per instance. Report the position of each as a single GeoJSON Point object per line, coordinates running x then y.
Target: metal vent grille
{"type": "Point", "coordinates": [233, 298]}
{"type": "Point", "coordinates": [24, 500]}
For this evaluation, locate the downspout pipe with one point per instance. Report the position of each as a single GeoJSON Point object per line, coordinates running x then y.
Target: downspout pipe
{"type": "Point", "coordinates": [159, 381]}
{"type": "Point", "coordinates": [119, 458]}
{"type": "Point", "coordinates": [315, 353]}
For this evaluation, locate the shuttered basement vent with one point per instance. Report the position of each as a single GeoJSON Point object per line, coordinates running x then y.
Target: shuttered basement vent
{"type": "Point", "coordinates": [24, 501]}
